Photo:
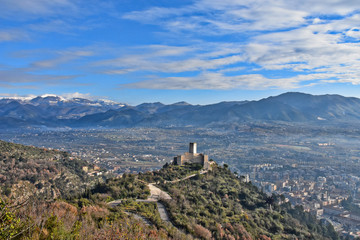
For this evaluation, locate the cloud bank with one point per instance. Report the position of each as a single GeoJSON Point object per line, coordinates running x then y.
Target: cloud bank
{"type": "Point", "coordinates": [310, 42]}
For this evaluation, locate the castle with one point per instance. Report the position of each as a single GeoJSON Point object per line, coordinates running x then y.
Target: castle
{"type": "Point", "coordinates": [193, 157]}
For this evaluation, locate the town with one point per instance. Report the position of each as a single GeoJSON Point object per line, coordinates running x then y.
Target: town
{"type": "Point", "coordinates": [320, 191]}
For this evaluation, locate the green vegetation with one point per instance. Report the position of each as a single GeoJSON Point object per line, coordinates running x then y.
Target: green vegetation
{"type": "Point", "coordinates": [213, 205]}
{"type": "Point", "coordinates": [170, 172]}
{"type": "Point", "coordinates": [219, 205]}
{"type": "Point", "coordinates": [64, 220]}
{"type": "Point", "coordinates": [149, 211]}
{"type": "Point", "coordinates": [26, 170]}
{"type": "Point", "coordinates": [350, 206]}
{"type": "Point", "coordinates": [128, 186]}
{"type": "Point", "coordinates": [11, 226]}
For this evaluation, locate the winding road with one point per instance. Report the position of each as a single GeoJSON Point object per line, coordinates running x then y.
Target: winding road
{"type": "Point", "coordinates": [156, 194]}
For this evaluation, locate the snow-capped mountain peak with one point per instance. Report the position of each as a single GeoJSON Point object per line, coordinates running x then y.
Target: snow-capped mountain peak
{"type": "Point", "coordinates": [50, 105]}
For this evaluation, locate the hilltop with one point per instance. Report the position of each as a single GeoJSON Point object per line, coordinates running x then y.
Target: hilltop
{"type": "Point", "coordinates": [219, 205]}
{"type": "Point", "coordinates": [214, 204]}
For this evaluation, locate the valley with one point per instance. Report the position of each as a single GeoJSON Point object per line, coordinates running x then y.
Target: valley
{"type": "Point", "coordinates": [312, 164]}
{"type": "Point", "coordinates": [141, 149]}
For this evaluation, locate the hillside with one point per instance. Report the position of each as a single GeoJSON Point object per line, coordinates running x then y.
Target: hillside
{"type": "Point", "coordinates": [34, 185]}
{"type": "Point", "coordinates": [49, 174]}
{"type": "Point", "coordinates": [72, 220]}
{"type": "Point", "coordinates": [219, 205]}
{"type": "Point", "coordinates": [213, 205]}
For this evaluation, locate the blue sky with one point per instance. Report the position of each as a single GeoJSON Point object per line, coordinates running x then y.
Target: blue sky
{"type": "Point", "coordinates": [202, 51]}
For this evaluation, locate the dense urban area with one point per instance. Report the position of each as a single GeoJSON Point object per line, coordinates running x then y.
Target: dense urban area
{"type": "Point", "coordinates": [316, 167]}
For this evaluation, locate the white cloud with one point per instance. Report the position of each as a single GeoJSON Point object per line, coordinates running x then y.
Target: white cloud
{"type": "Point", "coordinates": [308, 38]}
{"type": "Point", "coordinates": [60, 26]}
{"type": "Point", "coordinates": [31, 17]}
{"type": "Point", "coordinates": [24, 9]}
{"type": "Point", "coordinates": [53, 10]}
{"type": "Point", "coordinates": [171, 59]}
{"type": "Point", "coordinates": [12, 35]}
{"type": "Point", "coordinates": [317, 41]}
{"type": "Point", "coordinates": [312, 48]}
{"type": "Point", "coordinates": [219, 81]}
{"type": "Point", "coordinates": [77, 95]}
{"type": "Point", "coordinates": [17, 96]}
{"type": "Point", "coordinates": [20, 76]}
{"type": "Point", "coordinates": [64, 56]}
{"type": "Point", "coordinates": [232, 16]}
{"type": "Point", "coordinates": [22, 86]}
{"type": "Point", "coordinates": [63, 96]}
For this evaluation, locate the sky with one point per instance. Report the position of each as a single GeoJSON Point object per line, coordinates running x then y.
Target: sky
{"type": "Point", "coordinates": [201, 51]}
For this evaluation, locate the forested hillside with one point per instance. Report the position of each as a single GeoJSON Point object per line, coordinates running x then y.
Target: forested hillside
{"type": "Point", "coordinates": [26, 170]}
{"type": "Point", "coordinates": [59, 200]}
{"type": "Point", "coordinates": [219, 205]}
{"type": "Point", "coordinates": [47, 194]}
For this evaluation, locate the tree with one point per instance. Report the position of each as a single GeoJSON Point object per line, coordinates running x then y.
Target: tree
{"type": "Point", "coordinates": [10, 225]}
{"type": "Point", "coordinates": [270, 201]}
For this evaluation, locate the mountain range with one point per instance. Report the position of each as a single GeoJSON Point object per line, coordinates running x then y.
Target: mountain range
{"type": "Point", "coordinates": [51, 111]}
{"type": "Point", "coordinates": [54, 111]}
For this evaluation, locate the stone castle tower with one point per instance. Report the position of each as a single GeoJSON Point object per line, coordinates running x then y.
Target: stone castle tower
{"type": "Point", "coordinates": [192, 147]}
{"type": "Point", "coordinates": [193, 157]}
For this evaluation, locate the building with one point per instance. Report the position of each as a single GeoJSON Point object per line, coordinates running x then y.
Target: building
{"type": "Point", "coordinates": [193, 157]}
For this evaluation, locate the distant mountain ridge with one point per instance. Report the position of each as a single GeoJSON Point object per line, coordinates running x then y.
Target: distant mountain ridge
{"type": "Point", "coordinates": [50, 111]}
{"type": "Point", "coordinates": [53, 111]}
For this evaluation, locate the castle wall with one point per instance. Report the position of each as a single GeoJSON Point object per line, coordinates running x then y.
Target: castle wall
{"type": "Point", "coordinates": [193, 157]}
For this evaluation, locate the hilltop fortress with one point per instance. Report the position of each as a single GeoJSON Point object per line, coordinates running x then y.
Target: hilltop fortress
{"type": "Point", "coordinates": [193, 157]}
